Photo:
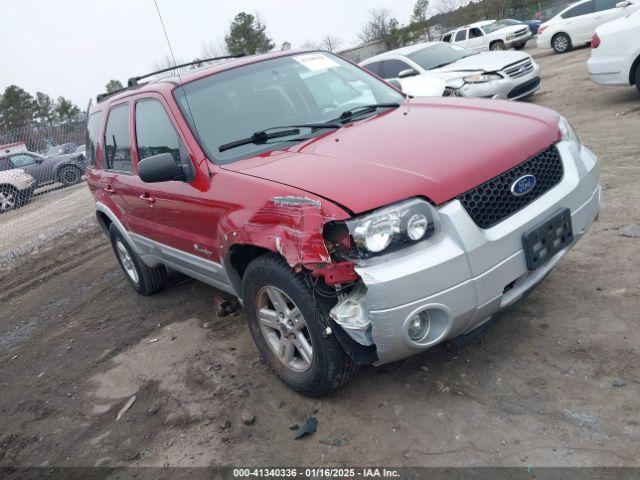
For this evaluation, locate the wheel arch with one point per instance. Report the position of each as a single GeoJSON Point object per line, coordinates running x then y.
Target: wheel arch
{"type": "Point", "coordinates": [632, 70]}
{"type": "Point", "coordinates": [238, 258]}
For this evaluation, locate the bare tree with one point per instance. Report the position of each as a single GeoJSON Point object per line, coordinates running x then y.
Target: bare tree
{"type": "Point", "coordinates": [310, 46]}
{"type": "Point", "coordinates": [381, 26]}
{"type": "Point", "coordinates": [213, 49]}
{"type": "Point", "coordinates": [330, 43]}
{"type": "Point", "coordinates": [446, 6]}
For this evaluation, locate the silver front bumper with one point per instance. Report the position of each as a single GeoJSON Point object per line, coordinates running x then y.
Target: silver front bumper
{"type": "Point", "coordinates": [500, 89]}
{"type": "Point", "coordinates": [472, 273]}
{"type": "Point", "coordinates": [521, 40]}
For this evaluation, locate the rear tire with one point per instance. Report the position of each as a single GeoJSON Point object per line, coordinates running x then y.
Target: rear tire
{"type": "Point", "coordinates": [8, 198]}
{"type": "Point", "coordinates": [315, 364]}
{"type": "Point", "coordinates": [144, 280]}
{"type": "Point", "coordinates": [69, 175]}
{"type": "Point", "coordinates": [497, 46]}
{"type": "Point", "coordinates": [520, 46]}
{"type": "Point", "coordinates": [561, 43]}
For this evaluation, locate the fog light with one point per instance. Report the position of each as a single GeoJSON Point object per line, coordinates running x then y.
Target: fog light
{"type": "Point", "coordinates": [419, 326]}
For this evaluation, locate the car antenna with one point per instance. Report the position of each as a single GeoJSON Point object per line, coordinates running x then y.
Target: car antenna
{"type": "Point", "coordinates": [177, 67]}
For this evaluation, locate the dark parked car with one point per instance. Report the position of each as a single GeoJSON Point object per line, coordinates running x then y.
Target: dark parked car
{"type": "Point", "coordinates": [62, 149]}
{"type": "Point", "coordinates": [533, 25]}
{"type": "Point", "coordinates": [66, 169]}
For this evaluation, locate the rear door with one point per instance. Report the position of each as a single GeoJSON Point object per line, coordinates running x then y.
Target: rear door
{"type": "Point", "coordinates": [120, 185]}
{"type": "Point", "coordinates": [579, 22]}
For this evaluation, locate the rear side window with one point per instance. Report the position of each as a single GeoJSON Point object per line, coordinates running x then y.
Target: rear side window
{"type": "Point", "coordinates": [375, 67]}
{"type": "Point", "coordinates": [447, 37]}
{"type": "Point", "coordinates": [91, 137]}
{"type": "Point", "coordinates": [393, 67]}
{"type": "Point", "coordinates": [461, 35]}
{"type": "Point", "coordinates": [22, 160]}
{"type": "Point", "coordinates": [155, 133]}
{"type": "Point", "coordinates": [117, 141]}
{"type": "Point", "coordinates": [582, 9]}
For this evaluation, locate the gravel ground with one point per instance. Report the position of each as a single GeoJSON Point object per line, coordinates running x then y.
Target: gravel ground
{"type": "Point", "coordinates": [554, 383]}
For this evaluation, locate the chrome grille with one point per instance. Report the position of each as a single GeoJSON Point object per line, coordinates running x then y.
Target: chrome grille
{"type": "Point", "coordinates": [524, 31]}
{"type": "Point", "coordinates": [519, 69]}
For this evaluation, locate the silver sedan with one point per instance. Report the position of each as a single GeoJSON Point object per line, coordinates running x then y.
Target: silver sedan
{"type": "Point", "coordinates": [501, 74]}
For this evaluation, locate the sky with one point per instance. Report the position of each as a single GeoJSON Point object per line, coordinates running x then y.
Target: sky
{"type": "Point", "coordinates": [72, 48]}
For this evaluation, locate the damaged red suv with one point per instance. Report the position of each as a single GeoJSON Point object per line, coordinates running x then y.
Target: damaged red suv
{"type": "Point", "coordinates": [356, 225]}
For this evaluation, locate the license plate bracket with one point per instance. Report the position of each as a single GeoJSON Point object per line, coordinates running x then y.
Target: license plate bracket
{"type": "Point", "coordinates": [547, 238]}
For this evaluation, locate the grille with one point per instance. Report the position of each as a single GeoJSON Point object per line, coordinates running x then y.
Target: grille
{"type": "Point", "coordinates": [519, 33]}
{"type": "Point", "coordinates": [524, 88]}
{"type": "Point", "coordinates": [519, 69]}
{"type": "Point", "coordinates": [492, 202]}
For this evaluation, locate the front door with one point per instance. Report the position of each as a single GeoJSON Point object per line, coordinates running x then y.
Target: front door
{"type": "Point", "coordinates": [180, 216]}
{"type": "Point", "coordinates": [34, 166]}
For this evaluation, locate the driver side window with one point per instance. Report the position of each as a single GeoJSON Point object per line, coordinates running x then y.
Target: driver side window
{"type": "Point", "coordinates": [475, 33]}
{"type": "Point", "coordinates": [19, 161]}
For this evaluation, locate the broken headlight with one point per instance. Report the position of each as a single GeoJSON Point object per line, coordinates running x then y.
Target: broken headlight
{"type": "Point", "coordinates": [384, 230]}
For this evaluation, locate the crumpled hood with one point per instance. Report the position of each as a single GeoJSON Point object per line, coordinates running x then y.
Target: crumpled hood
{"type": "Point", "coordinates": [483, 62]}
{"type": "Point", "coordinates": [436, 148]}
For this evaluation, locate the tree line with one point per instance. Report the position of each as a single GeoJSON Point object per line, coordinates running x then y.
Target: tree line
{"type": "Point", "coordinates": [18, 109]}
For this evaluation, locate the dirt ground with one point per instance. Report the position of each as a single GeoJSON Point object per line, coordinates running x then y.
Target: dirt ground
{"type": "Point", "coordinates": [554, 383]}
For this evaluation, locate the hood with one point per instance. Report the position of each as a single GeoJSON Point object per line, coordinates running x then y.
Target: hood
{"type": "Point", "coordinates": [436, 148]}
{"type": "Point", "coordinates": [511, 29]}
{"type": "Point", "coordinates": [486, 62]}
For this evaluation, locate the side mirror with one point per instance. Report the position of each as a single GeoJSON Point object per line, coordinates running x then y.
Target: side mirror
{"type": "Point", "coordinates": [623, 4]}
{"type": "Point", "coordinates": [396, 83]}
{"type": "Point", "coordinates": [409, 72]}
{"type": "Point", "coordinates": [160, 168]}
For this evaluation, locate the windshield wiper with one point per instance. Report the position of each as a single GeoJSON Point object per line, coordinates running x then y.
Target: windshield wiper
{"type": "Point", "coordinates": [441, 65]}
{"type": "Point", "coordinates": [265, 135]}
{"type": "Point", "coordinates": [362, 109]}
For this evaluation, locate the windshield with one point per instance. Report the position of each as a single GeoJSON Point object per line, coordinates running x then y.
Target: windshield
{"type": "Point", "coordinates": [439, 55]}
{"type": "Point", "coordinates": [492, 27]}
{"type": "Point", "coordinates": [307, 88]}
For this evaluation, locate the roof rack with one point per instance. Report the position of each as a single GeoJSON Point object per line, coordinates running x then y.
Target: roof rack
{"type": "Point", "coordinates": [134, 81]}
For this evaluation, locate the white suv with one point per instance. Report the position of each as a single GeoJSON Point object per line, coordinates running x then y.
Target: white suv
{"type": "Point", "coordinates": [576, 24]}
{"type": "Point", "coordinates": [16, 189]}
{"type": "Point", "coordinates": [489, 35]}
{"type": "Point", "coordinates": [615, 52]}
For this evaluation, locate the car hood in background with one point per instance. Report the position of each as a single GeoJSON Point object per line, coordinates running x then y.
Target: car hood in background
{"type": "Point", "coordinates": [486, 61]}
{"type": "Point", "coordinates": [436, 148]}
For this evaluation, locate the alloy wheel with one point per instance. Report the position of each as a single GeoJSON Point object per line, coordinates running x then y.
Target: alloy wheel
{"type": "Point", "coordinates": [561, 43]}
{"type": "Point", "coordinates": [7, 201]}
{"type": "Point", "coordinates": [127, 261]}
{"type": "Point", "coordinates": [284, 328]}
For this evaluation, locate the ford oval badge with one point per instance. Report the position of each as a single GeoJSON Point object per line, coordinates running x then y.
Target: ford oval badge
{"type": "Point", "coordinates": [523, 185]}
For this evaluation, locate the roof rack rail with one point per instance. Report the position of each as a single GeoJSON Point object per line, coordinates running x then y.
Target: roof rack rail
{"type": "Point", "coordinates": [134, 81]}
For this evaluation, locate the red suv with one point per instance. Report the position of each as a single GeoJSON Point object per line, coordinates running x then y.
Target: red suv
{"type": "Point", "coordinates": [356, 225]}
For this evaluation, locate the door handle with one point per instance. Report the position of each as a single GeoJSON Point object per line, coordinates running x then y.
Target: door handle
{"type": "Point", "coordinates": [109, 189]}
{"type": "Point", "coordinates": [147, 198]}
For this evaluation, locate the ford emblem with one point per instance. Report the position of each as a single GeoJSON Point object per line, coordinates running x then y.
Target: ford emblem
{"type": "Point", "coordinates": [523, 185]}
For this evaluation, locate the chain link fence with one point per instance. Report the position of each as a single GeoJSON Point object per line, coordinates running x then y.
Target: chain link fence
{"type": "Point", "coordinates": [42, 191]}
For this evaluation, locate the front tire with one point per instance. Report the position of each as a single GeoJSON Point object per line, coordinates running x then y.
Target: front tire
{"type": "Point", "coordinates": [69, 176]}
{"type": "Point", "coordinates": [290, 330]}
{"type": "Point", "coordinates": [561, 43]}
{"type": "Point", "coordinates": [144, 280]}
{"type": "Point", "coordinates": [8, 198]}
{"type": "Point", "coordinates": [497, 46]}
{"type": "Point", "coordinates": [638, 77]}
{"type": "Point", "coordinates": [520, 46]}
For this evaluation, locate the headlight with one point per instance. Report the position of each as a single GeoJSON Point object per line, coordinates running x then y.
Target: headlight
{"type": "Point", "coordinates": [482, 78]}
{"type": "Point", "coordinates": [568, 134]}
{"type": "Point", "coordinates": [385, 230]}
{"type": "Point", "coordinates": [510, 36]}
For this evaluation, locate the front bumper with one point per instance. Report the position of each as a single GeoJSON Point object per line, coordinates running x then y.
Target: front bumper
{"type": "Point", "coordinates": [507, 88]}
{"type": "Point", "coordinates": [521, 40]}
{"type": "Point", "coordinates": [472, 274]}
